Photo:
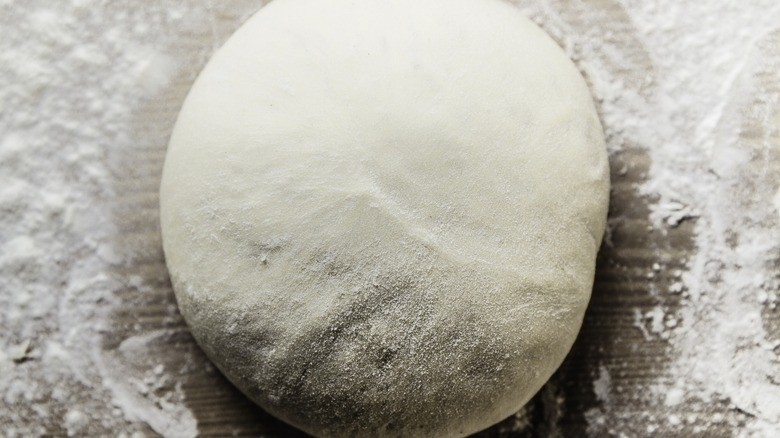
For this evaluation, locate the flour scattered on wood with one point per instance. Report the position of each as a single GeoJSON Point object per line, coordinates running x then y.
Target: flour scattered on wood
{"type": "Point", "coordinates": [697, 88]}
{"type": "Point", "coordinates": [75, 76]}
{"type": "Point", "coordinates": [716, 155]}
{"type": "Point", "coordinates": [706, 110]}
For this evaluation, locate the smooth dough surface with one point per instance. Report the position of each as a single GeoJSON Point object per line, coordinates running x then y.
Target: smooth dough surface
{"type": "Point", "coordinates": [381, 217]}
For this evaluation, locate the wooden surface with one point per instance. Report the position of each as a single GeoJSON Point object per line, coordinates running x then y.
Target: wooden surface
{"type": "Point", "coordinates": [610, 340]}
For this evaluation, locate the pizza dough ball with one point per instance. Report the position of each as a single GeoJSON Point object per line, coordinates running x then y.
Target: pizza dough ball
{"type": "Point", "coordinates": [381, 217]}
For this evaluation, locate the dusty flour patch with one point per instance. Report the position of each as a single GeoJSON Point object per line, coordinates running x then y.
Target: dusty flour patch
{"type": "Point", "coordinates": [712, 132]}
{"type": "Point", "coordinates": [695, 84]}
{"type": "Point", "coordinates": [73, 76]}
{"type": "Point", "coordinates": [704, 103]}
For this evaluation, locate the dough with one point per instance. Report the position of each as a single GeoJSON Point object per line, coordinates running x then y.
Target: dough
{"type": "Point", "coordinates": [381, 217]}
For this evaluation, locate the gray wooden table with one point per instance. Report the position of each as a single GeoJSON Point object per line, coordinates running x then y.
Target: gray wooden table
{"type": "Point", "coordinates": [602, 387]}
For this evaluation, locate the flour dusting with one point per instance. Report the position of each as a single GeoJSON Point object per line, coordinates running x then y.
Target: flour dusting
{"type": "Point", "coordinates": [717, 155]}
{"type": "Point", "coordinates": [706, 111]}
{"type": "Point", "coordinates": [74, 76]}
{"type": "Point", "coordinates": [695, 86]}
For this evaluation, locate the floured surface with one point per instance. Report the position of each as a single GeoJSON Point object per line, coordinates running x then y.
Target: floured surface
{"type": "Point", "coordinates": [682, 332]}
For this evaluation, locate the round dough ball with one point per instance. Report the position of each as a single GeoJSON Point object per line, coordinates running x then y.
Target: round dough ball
{"type": "Point", "coordinates": [381, 217]}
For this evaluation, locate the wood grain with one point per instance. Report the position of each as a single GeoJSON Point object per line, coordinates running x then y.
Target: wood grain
{"type": "Point", "coordinates": [637, 264]}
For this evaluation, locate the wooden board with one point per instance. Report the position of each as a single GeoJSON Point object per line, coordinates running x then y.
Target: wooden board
{"type": "Point", "coordinates": [610, 346]}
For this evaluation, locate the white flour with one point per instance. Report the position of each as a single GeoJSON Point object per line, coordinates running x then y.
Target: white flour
{"type": "Point", "coordinates": [696, 85]}
{"type": "Point", "coordinates": [707, 113]}
{"type": "Point", "coordinates": [74, 76]}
